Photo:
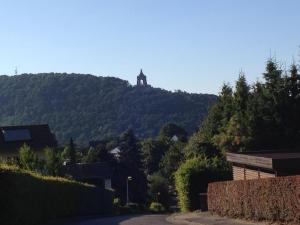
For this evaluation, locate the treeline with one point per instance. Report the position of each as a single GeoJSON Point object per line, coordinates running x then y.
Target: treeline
{"type": "Point", "coordinates": [150, 163]}
{"type": "Point", "coordinates": [88, 107]}
{"type": "Point", "coordinates": [262, 116]}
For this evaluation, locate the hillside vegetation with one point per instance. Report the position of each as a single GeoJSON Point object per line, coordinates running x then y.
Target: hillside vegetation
{"type": "Point", "coordinates": [88, 107]}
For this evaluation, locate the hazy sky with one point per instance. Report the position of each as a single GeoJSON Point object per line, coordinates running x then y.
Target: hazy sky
{"type": "Point", "coordinates": [192, 45]}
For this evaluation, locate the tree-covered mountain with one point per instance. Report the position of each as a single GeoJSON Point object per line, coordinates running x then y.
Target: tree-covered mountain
{"type": "Point", "coordinates": [88, 107]}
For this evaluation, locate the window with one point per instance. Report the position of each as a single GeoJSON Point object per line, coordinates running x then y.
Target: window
{"type": "Point", "coordinates": [16, 135]}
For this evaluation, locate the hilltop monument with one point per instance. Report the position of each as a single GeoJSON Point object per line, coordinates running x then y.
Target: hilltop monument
{"type": "Point", "coordinates": [141, 79]}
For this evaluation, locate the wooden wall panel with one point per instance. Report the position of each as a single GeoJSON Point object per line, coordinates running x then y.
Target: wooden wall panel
{"type": "Point", "coordinates": [251, 174]}
{"type": "Point", "coordinates": [266, 175]}
{"type": "Point", "coordinates": [238, 173]}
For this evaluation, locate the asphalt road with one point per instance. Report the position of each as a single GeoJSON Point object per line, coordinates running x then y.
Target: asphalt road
{"type": "Point", "coordinates": [123, 220]}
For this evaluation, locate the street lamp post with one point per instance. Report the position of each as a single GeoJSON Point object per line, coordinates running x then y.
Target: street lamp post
{"type": "Point", "coordinates": [127, 189]}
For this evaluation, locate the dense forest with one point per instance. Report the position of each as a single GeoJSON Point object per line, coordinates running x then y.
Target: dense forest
{"type": "Point", "coordinates": [88, 107]}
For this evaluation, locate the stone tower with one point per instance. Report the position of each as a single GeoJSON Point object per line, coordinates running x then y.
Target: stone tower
{"type": "Point", "coordinates": [141, 79]}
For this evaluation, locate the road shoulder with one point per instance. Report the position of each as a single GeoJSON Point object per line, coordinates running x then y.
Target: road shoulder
{"type": "Point", "coordinates": [205, 218]}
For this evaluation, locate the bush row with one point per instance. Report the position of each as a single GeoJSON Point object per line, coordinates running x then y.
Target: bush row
{"type": "Point", "coordinates": [30, 199]}
{"type": "Point", "coordinates": [274, 199]}
{"type": "Point", "coordinates": [192, 178]}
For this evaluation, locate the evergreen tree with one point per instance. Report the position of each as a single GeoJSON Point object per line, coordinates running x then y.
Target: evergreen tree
{"type": "Point", "coordinates": [241, 95]}
{"type": "Point", "coordinates": [152, 151]}
{"type": "Point", "coordinates": [72, 152]}
{"type": "Point", "coordinates": [130, 165]}
{"type": "Point", "coordinates": [226, 105]}
{"type": "Point", "coordinates": [294, 82]}
{"type": "Point", "coordinates": [69, 153]}
{"type": "Point", "coordinates": [53, 162]}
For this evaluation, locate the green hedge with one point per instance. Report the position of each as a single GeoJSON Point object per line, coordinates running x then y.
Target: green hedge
{"type": "Point", "coordinates": [192, 178]}
{"type": "Point", "coordinates": [273, 199]}
{"type": "Point", "coordinates": [30, 199]}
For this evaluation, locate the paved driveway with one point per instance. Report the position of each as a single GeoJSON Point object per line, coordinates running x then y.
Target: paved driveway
{"type": "Point", "coordinates": [122, 220]}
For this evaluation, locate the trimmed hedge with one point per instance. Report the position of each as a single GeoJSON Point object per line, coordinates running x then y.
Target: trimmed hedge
{"type": "Point", "coordinates": [273, 199]}
{"type": "Point", "coordinates": [30, 199]}
{"type": "Point", "coordinates": [192, 178]}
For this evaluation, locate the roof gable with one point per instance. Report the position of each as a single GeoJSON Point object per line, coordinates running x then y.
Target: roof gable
{"type": "Point", "coordinates": [36, 136]}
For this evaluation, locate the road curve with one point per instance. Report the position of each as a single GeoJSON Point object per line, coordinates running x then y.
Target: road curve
{"type": "Point", "coordinates": [124, 220]}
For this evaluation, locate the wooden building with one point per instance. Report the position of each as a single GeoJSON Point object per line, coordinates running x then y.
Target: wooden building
{"type": "Point", "coordinates": [38, 137]}
{"type": "Point", "coordinates": [256, 165]}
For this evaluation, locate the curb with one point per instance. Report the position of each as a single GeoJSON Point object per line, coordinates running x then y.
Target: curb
{"type": "Point", "coordinates": [175, 219]}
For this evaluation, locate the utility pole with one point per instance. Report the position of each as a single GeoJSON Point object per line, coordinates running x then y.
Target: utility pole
{"type": "Point", "coordinates": [127, 189]}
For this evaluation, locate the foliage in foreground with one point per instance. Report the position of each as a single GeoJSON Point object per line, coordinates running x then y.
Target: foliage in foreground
{"type": "Point", "coordinates": [193, 176]}
{"type": "Point", "coordinates": [31, 199]}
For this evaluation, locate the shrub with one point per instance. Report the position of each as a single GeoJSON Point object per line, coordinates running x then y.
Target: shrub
{"type": "Point", "coordinates": [117, 202]}
{"type": "Point", "coordinates": [156, 207]}
{"type": "Point", "coordinates": [117, 206]}
{"type": "Point", "coordinates": [192, 178]}
{"type": "Point", "coordinates": [158, 189]}
{"type": "Point", "coordinates": [274, 199]}
{"type": "Point", "coordinates": [28, 159]}
{"type": "Point", "coordinates": [31, 199]}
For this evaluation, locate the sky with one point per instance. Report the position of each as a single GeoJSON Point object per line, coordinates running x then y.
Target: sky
{"type": "Point", "coordinates": [191, 45]}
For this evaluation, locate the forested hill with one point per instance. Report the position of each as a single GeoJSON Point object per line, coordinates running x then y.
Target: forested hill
{"type": "Point", "coordinates": [88, 107]}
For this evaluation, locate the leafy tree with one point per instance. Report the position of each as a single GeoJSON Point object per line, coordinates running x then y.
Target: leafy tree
{"type": "Point", "coordinates": [98, 154]}
{"type": "Point", "coordinates": [170, 130]}
{"type": "Point", "coordinates": [28, 159]}
{"type": "Point", "coordinates": [171, 160]}
{"type": "Point", "coordinates": [92, 156]}
{"type": "Point", "coordinates": [152, 152]}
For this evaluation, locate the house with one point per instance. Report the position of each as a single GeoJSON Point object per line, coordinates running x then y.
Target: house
{"type": "Point", "coordinates": [264, 164]}
{"type": "Point", "coordinates": [38, 137]}
{"type": "Point", "coordinates": [174, 138]}
{"type": "Point", "coordinates": [98, 173]}
{"type": "Point", "coordinates": [116, 152]}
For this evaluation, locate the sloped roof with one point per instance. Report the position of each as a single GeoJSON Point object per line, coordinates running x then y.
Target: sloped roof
{"type": "Point", "coordinates": [37, 137]}
{"type": "Point", "coordinates": [267, 159]}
